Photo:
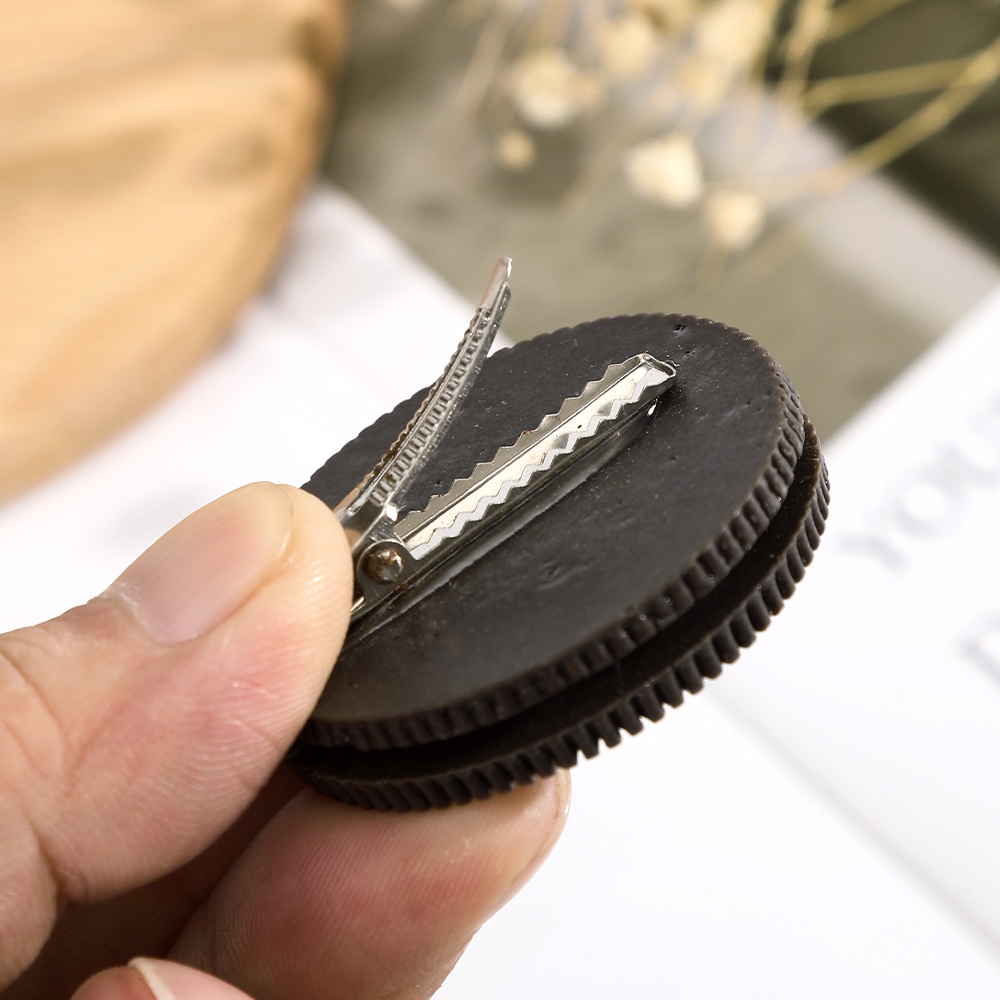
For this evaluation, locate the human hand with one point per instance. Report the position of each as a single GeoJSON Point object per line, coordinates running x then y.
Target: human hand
{"type": "Point", "coordinates": [141, 812]}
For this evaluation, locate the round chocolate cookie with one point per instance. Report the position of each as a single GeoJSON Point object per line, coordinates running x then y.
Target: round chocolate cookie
{"type": "Point", "coordinates": [624, 593]}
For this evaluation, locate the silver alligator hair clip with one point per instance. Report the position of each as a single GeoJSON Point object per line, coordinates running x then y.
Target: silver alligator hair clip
{"type": "Point", "coordinates": [391, 551]}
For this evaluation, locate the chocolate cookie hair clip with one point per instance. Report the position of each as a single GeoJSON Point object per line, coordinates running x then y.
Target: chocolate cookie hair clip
{"type": "Point", "coordinates": [556, 543]}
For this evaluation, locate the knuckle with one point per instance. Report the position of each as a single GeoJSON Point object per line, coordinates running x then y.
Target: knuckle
{"type": "Point", "coordinates": [55, 687]}
{"type": "Point", "coordinates": [30, 725]}
{"type": "Point", "coordinates": [54, 705]}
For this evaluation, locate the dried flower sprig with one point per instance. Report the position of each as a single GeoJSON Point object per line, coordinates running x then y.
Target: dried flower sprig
{"type": "Point", "coordinates": [670, 70]}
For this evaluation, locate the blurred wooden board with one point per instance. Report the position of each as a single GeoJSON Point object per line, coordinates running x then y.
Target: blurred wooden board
{"type": "Point", "coordinates": [150, 155]}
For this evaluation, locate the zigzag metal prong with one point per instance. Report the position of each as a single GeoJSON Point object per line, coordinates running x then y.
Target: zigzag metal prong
{"type": "Point", "coordinates": [516, 472]}
{"type": "Point", "coordinates": [588, 428]}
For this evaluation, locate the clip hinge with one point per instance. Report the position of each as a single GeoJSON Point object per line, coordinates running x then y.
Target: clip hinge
{"type": "Point", "coordinates": [565, 448]}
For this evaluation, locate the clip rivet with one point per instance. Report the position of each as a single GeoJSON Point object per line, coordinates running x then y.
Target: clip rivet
{"type": "Point", "coordinates": [383, 564]}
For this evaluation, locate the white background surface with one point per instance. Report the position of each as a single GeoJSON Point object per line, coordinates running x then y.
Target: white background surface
{"type": "Point", "coordinates": [821, 823]}
{"type": "Point", "coordinates": [897, 714]}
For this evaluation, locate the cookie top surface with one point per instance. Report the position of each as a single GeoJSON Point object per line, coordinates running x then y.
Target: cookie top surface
{"type": "Point", "coordinates": [664, 518]}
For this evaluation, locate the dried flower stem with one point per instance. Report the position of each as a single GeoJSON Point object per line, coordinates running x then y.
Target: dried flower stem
{"type": "Point", "coordinates": [595, 21]}
{"type": "Point", "coordinates": [854, 14]}
{"type": "Point", "coordinates": [980, 72]}
{"type": "Point", "coordinates": [482, 67]}
{"type": "Point", "coordinates": [551, 23]}
{"type": "Point", "coordinates": [808, 30]}
{"type": "Point", "coordinates": [600, 169]}
{"type": "Point", "coordinates": [881, 84]}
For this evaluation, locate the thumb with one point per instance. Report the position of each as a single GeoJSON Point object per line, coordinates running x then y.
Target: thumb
{"type": "Point", "coordinates": [153, 979]}
{"type": "Point", "coordinates": [135, 729]}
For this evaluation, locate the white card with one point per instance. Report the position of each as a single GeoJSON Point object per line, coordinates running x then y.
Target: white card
{"type": "Point", "coordinates": [882, 678]}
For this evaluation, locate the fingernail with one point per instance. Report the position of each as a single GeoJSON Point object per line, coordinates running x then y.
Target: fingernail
{"type": "Point", "coordinates": [561, 780]}
{"type": "Point", "coordinates": [561, 795]}
{"type": "Point", "coordinates": [209, 565]}
{"type": "Point", "coordinates": [170, 981]}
